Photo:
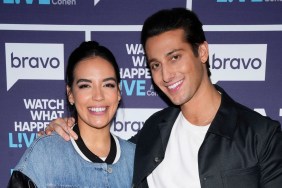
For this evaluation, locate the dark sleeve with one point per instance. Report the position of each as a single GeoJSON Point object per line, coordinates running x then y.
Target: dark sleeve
{"type": "Point", "coordinates": [134, 138]}
{"type": "Point", "coordinates": [19, 180]}
{"type": "Point", "coordinates": [271, 160]}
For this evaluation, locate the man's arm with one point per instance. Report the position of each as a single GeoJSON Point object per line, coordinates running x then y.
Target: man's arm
{"type": "Point", "coordinates": [63, 126]}
{"type": "Point", "coordinates": [271, 160]}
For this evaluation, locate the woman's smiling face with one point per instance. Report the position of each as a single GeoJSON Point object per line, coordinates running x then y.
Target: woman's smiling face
{"type": "Point", "coordinates": [95, 92]}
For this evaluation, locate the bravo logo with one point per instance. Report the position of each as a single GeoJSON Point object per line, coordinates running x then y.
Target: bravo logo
{"type": "Point", "coordinates": [127, 123]}
{"type": "Point", "coordinates": [32, 61]}
{"type": "Point", "coordinates": [237, 62]}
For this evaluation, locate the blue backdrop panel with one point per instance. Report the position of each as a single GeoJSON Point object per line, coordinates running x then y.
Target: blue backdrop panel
{"type": "Point", "coordinates": [136, 85]}
{"type": "Point", "coordinates": [38, 36]}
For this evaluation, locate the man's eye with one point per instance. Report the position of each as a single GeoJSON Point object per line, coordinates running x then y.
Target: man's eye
{"type": "Point", "coordinates": [175, 57]}
{"type": "Point", "coordinates": [154, 66]}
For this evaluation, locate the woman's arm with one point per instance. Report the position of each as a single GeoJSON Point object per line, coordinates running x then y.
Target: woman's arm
{"type": "Point", "coordinates": [19, 180]}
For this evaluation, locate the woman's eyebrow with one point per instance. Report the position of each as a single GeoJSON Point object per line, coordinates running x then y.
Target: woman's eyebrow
{"type": "Point", "coordinates": [83, 80]}
{"type": "Point", "coordinates": [110, 78]}
{"type": "Point", "coordinates": [104, 80]}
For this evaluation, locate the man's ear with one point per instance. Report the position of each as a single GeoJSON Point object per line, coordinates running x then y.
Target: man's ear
{"type": "Point", "coordinates": [203, 52]}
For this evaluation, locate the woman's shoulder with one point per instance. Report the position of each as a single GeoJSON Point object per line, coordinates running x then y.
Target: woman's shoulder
{"type": "Point", "coordinates": [43, 145]}
{"type": "Point", "coordinates": [124, 143]}
{"type": "Point", "coordinates": [48, 140]}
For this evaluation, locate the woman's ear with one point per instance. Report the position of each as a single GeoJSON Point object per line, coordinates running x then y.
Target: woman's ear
{"type": "Point", "coordinates": [119, 93]}
{"type": "Point", "coordinates": [70, 95]}
{"type": "Point", "coordinates": [204, 52]}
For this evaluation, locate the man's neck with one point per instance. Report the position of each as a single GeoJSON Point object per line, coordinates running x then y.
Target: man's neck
{"type": "Point", "coordinates": [202, 109]}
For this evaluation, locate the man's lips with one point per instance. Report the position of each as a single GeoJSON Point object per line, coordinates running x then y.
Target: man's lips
{"type": "Point", "coordinates": [175, 85]}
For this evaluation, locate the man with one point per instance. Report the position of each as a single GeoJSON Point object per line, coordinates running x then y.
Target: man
{"type": "Point", "coordinates": [207, 139]}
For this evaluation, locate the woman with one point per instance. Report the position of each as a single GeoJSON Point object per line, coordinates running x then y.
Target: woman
{"type": "Point", "coordinates": [97, 158]}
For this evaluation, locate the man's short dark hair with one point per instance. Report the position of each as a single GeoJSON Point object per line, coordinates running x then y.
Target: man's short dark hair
{"type": "Point", "coordinates": [176, 18]}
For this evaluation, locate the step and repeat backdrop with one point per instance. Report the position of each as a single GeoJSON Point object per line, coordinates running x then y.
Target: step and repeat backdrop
{"type": "Point", "coordinates": [37, 36]}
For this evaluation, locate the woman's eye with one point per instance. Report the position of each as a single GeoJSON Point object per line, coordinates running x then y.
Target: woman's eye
{"type": "Point", "coordinates": [110, 85]}
{"type": "Point", "coordinates": [83, 86]}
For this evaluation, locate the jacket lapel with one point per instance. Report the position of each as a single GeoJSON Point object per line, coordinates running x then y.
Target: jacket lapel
{"type": "Point", "coordinates": [152, 142]}
{"type": "Point", "coordinates": [224, 123]}
{"type": "Point", "coordinates": [165, 126]}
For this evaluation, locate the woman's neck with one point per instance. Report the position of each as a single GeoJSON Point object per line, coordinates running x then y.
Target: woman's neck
{"type": "Point", "coordinates": [98, 141]}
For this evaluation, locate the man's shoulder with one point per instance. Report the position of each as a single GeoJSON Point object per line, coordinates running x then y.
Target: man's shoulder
{"type": "Point", "coordinates": [250, 119]}
{"type": "Point", "coordinates": [165, 115]}
{"type": "Point", "coordinates": [252, 115]}
{"type": "Point", "coordinates": [244, 115]}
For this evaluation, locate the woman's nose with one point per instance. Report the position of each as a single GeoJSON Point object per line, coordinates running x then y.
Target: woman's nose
{"type": "Point", "coordinates": [97, 95]}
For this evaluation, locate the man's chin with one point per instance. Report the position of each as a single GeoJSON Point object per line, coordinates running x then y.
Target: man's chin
{"type": "Point", "coordinates": [176, 102]}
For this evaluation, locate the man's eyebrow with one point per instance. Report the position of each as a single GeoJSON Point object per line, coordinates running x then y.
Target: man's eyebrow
{"type": "Point", "coordinates": [173, 51]}
{"type": "Point", "coordinates": [166, 55]}
{"type": "Point", "coordinates": [151, 60]}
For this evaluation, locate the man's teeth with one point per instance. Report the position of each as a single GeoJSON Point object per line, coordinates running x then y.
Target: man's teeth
{"type": "Point", "coordinates": [174, 85]}
{"type": "Point", "coordinates": [101, 109]}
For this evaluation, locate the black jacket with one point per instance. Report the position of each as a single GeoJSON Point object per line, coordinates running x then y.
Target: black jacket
{"type": "Point", "coordinates": [242, 149]}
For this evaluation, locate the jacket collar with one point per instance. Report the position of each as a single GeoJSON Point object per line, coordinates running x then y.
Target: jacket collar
{"type": "Point", "coordinates": [224, 123]}
{"type": "Point", "coordinates": [166, 125]}
{"type": "Point", "coordinates": [151, 144]}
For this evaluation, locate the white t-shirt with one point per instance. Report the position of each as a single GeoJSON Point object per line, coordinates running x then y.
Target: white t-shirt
{"type": "Point", "coordinates": [180, 165]}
